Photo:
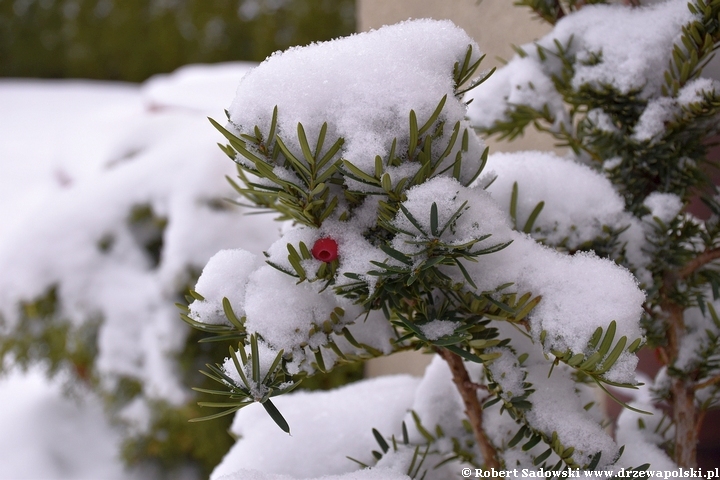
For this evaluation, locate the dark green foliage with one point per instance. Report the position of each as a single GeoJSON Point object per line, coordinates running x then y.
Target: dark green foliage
{"type": "Point", "coordinates": [147, 229]}
{"type": "Point", "coordinates": [605, 352]}
{"type": "Point", "coordinates": [131, 40]}
{"type": "Point", "coordinates": [308, 201]}
{"type": "Point", "coordinates": [553, 10]}
{"type": "Point", "coordinates": [134, 39]}
{"type": "Point", "coordinates": [528, 226]}
{"type": "Point", "coordinates": [40, 336]}
{"type": "Point", "coordinates": [415, 293]}
{"type": "Point", "coordinates": [426, 454]}
{"type": "Point", "coordinates": [527, 437]}
{"type": "Point", "coordinates": [172, 443]}
{"type": "Point", "coordinates": [43, 337]}
{"type": "Point", "coordinates": [174, 440]}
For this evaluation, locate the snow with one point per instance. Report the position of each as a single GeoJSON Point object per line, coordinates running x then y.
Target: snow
{"type": "Point", "coordinates": [265, 358]}
{"type": "Point", "coordinates": [557, 408]}
{"type": "Point", "coordinates": [699, 326]}
{"type": "Point", "coordinates": [508, 373]}
{"type": "Point", "coordinates": [77, 157]}
{"type": "Point", "coordinates": [232, 269]}
{"type": "Point", "coordinates": [594, 206]}
{"type": "Point", "coordinates": [521, 82]}
{"type": "Point", "coordinates": [642, 445]}
{"type": "Point", "coordinates": [437, 402]}
{"type": "Point", "coordinates": [662, 111]}
{"type": "Point", "coordinates": [202, 88]}
{"type": "Point", "coordinates": [325, 428]}
{"type": "Point", "coordinates": [594, 292]}
{"type": "Point", "coordinates": [449, 196]}
{"type": "Point", "coordinates": [664, 206]}
{"type": "Point", "coordinates": [579, 293]}
{"type": "Point", "coordinates": [628, 61]}
{"type": "Point", "coordinates": [296, 308]}
{"type": "Point", "coordinates": [438, 329]}
{"type": "Point", "coordinates": [656, 115]}
{"type": "Point", "coordinates": [47, 435]}
{"type": "Point", "coordinates": [548, 178]}
{"type": "Point", "coordinates": [693, 91]}
{"type": "Point", "coordinates": [81, 184]}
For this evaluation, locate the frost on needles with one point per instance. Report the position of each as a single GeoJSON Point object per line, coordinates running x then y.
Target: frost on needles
{"type": "Point", "coordinates": [363, 144]}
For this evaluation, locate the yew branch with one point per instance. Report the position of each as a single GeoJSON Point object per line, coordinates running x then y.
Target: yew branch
{"type": "Point", "coordinates": [698, 262]}
{"type": "Point", "coordinates": [707, 382]}
{"type": "Point", "coordinates": [682, 392]}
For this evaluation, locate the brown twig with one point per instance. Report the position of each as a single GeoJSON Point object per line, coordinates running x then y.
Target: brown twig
{"type": "Point", "coordinates": [473, 409]}
{"type": "Point", "coordinates": [701, 260]}
{"type": "Point", "coordinates": [707, 383]}
{"type": "Point", "coordinates": [685, 418]}
{"type": "Point", "coordinates": [682, 390]}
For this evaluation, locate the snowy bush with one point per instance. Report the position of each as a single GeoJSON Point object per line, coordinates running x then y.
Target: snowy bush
{"type": "Point", "coordinates": [108, 221]}
{"type": "Point", "coordinates": [634, 94]}
{"type": "Point", "coordinates": [402, 234]}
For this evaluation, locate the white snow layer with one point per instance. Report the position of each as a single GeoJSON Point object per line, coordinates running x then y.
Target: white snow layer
{"type": "Point", "coordinates": [664, 206]}
{"type": "Point", "coordinates": [577, 200]}
{"type": "Point", "coordinates": [697, 343]}
{"type": "Point", "coordinates": [358, 86]}
{"type": "Point", "coordinates": [73, 192]}
{"type": "Point", "coordinates": [328, 426]}
{"type": "Point", "coordinates": [325, 427]}
{"type": "Point", "coordinates": [579, 293]}
{"type": "Point", "coordinates": [231, 267]}
{"type": "Point", "coordinates": [47, 435]}
{"type": "Point", "coordinates": [641, 433]}
{"type": "Point", "coordinates": [578, 203]}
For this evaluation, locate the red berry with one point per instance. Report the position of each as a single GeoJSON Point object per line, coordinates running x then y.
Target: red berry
{"type": "Point", "coordinates": [325, 250]}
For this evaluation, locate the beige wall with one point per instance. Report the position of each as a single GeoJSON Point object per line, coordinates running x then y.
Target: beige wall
{"type": "Point", "coordinates": [495, 25]}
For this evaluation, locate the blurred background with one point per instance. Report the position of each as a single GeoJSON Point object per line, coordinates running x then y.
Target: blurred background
{"type": "Point", "coordinates": [112, 195]}
{"type": "Point", "coordinates": [133, 39]}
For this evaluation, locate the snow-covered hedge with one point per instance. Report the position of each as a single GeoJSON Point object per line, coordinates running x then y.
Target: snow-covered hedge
{"type": "Point", "coordinates": [114, 198]}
